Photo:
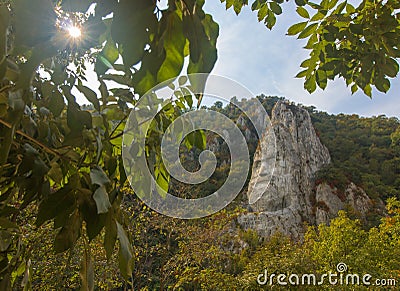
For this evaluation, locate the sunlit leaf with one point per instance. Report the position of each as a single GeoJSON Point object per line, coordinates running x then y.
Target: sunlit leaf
{"type": "Point", "coordinates": [302, 12]}
{"type": "Point", "coordinates": [296, 28]}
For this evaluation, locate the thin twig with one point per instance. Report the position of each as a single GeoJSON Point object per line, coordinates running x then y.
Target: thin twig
{"type": "Point", "coordinates": [119, 123]}
{"type": "Point", "coordinates": [35, 141]}
{"type": "Point", "coordinates": [5, 88]}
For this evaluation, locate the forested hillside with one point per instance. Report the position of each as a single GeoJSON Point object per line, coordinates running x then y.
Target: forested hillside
{"type": "Point", "coordinates": [213, 253]}
{"type": "Point", "coordinates": [364, 150]}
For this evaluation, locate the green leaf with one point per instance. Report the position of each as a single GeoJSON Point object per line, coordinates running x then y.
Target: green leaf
{"type": "Point", "coordinates": [59, 75]}
{"type": "Point", "coordinates": [145, 83]}
{"type": "Point", "coordinates": [100, 196]}
{"type": "Point", "coordinates": [103, 91]}
{"type": "Point", "coordinates": [122, 173]}
{"type": "Point", "coordinates": [297, 28]}
{"type": "Point", "coordinates": [317, 16]}
{"type": "Point", "coordinates": [238, 5]}
{"type": "Point", "coordinates": [270, 20]}
{"type": "Point", "coordinates": [301, 74]}
{"type": "Point", "coordinates": [368, 90]}
{"type": "Point", "coordinates": [77, 119]}
{"type": "Point", "coordinates": [262, 12]}
{"type": "Point", "coordinates": [125, 257]}
{"type": "Point", "coordinates": [305, 63]}
{"type": "Point", "coordinates": [275, 7]}
{"type": "Point", "coordinates": [121, 79]}
{"type": "Point", "coordinates": [356, 28]}
{"type": "Point", "coordinates": [200, 139]}
{"type": "Point", "coordinates": [350, 8]}
{"type": "Point", "coordinates": [40, 53]}
{"type": "Point", "coordinates": [7, 224]}
{"type": "Point", "coordinates": [321, 79]}
{"type": "Point", "coordinates": [211, 29]}
{"type": "Point", "coordinates": [55, 204]}
{"type": "Point", "coordinates": [90, 95]}
{"type": "Point", "coordinates": [382, 84]}
{"type": "Point", "coordinates": [302, 12]}
{"type": "Point", "coordinates": [310, 84]}
{"type": "Point", "coordinates": [174, 44]}
{"type": "Point", "coordinates": [308, 30]}
{"type": "Point", "coordinates": [202, 35]}
{"type": "Point", "coordinates": [110, 51]}
{"type": "Point", "coordinates": [162, 178]}
{"type": "Point", "coordinates": [110, 236]}
{"type": "Point", "coordinates": [102, 65]}
{"type": "Point", "coordinates": [332, 3]}
{"type": "Point", "coordinates": [94, 221]}
{"type": "Point", "coordinates": [301, 2]}
{"type": "Point", "coordinates": [139, 19]}
{"type": "Point", "coordinates": [55, 172]}
{"type": "Point", "coordinates": [354, 88]}
{"type": "Point", "coordinates": [311, 41]}
{"type": "Point", "coordinates": [98, 177]}
{"type": "Point", "coordinates": [391, 67]}
{"type": "Point", "coordinates": [163, 183]}
{"type": "Point", "coordinates": [69, 234]}
{"type": "Point", "coordinates": [340, 7]}
{"type": "Point", "coordinates": [188, 99]}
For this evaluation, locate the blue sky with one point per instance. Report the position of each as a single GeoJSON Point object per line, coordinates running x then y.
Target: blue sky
{"type": "Point", "coordinates": [266, 62]}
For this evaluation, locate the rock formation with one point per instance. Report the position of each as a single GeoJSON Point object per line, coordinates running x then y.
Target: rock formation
{"type": "Point", "coordinates": [329, 202]}
{"type": "Point", "coordinates": [291, 198]}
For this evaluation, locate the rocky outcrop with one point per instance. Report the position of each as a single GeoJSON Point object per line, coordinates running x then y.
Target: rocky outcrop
{"type": "Point", "coordinates": [290, 199]}
{"type": "Point", "coordinates": [328, 202]}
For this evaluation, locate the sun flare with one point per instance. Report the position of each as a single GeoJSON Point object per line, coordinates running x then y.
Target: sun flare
{"type": "Point", "coordinates": [74, 31]}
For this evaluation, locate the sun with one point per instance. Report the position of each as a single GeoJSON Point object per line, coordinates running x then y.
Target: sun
{"type": "Point", "coordinates": [74, 31]}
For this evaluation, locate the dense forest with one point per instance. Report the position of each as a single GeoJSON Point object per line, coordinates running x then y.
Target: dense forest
{"type": "Point", "coordinates": [364, 150]}
{"type": "Point", "coordinates": [213, 253]}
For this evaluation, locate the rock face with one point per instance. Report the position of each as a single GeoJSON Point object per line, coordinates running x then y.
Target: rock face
{"type": "Point", "coordinates": [290, 199]}
{"type": "Point", "coordinates": [328, 202]}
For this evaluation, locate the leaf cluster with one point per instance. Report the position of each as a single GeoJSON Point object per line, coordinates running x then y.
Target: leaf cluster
{"type": "Point", "coordinates": [63, 157]}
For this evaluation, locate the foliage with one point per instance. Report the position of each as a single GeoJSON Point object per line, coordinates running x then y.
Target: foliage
{"type": "Point", "coordinates": [66, 158]}
{"type": "Point", "coordinates": [356, 43]}
{"type": "Point", "coordinates": [209, 255]}
{"type": "Point", "coordinates": [362, 152]}
{"type": "Point", "coordinates": [64, 270]}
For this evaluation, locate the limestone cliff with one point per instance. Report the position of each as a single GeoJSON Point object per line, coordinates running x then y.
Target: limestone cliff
{"type": "Point", "coordinates": [291, 198]}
